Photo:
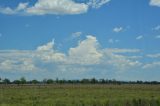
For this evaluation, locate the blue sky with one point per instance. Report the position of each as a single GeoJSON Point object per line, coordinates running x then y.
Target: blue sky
{"type": "Point", "coordinates": [76, 39]}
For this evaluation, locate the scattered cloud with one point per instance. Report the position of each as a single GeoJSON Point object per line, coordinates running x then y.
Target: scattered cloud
{"type": "Point", "coordinates": [87, 58]}
{"type": "Point", "coordinates": [139, 37]}
{"type": "Point", "coordinates": [19, 9]}
{"type": "Point", "coordinates": [154, 55]}
{"type": "Point", "coordinates": [76, 34]}
{"type": "Point", "coordinates": [156, 28]}
{"type": "Point", "coordinates": [56, 7]}
{"type": "Point", "coordinates": [97, 3]}
{"type": "Point", "coordinates": [113, 41]}
{"type": "Point", "coordinates": [118, 29]}
{"type": "Point", "coordinates": [86, 55]}
{"type": "Point", "coordinates": [152, 65]}
{"type": "Point", "coordinates": [155, 3]}
{"type": "Point", "coordinates": [117, 50]}
{"type": "Point", "coordinates": [16, 60]}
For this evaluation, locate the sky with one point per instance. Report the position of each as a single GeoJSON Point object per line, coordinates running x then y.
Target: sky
{"type": "Point", "coordinates": [76, 39]}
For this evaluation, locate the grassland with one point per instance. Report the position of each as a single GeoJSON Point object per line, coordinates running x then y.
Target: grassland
{"type": "Point", "coordinates": [80, 95]}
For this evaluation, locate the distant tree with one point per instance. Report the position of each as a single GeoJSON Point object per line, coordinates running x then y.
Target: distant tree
{"type": "Point", "coordinates": [44, 81]}
{"type": "Point", "coordinates": [85, 81]}
{"type": "Point", "coordinates": [61, 81]}
{"type": "Point", "coordinates": [16, 82]}
{"type": "Point", "coordinates": [139, 82]}
{"type": "Point", "coordinates": [57, 80]}
{"type": "Point", "coordinates": [6, 81]}
{"type": "Point", "coordinates": [34, 81]}
{"type": "Point", "coordinates": [93, 81]}
{"type": "Point", "coordinates": [50, 81]}
{"type": "Point", "coordinates": [0, 80]}
{"type": "Point", "coordinates": [102, 81]}
{"type": "Point", "coordinates": [23, 80]}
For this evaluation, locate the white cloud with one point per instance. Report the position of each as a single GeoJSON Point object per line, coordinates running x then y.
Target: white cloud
{"type": "Point", "coordinates": [17, 61]}
{"type": "Point", "coordinates": [117, 50]}
{"type": "Point", "coordinates": [118, 61]}
{"type": "Point", "coordinates": [87, 59]}
{"type": "Point", "coordinates": [57, 7]}
{"type": "Point", "coordinates": [42, 7]}
{"type": "Point", "coordinates": [48, 53]}
{"type": "Point", "coordinates": [20, 8]}
{"type": "Point", "coordinates": [86, 56]}
{"type": "Point", "coordinates": [47, 47]}
{"type": "Point", "coordinates": [118, 29]}
{"type": "Point", "coordinates": [113, 41]}
{"type": "Point", "coordinates": [155, 3]}
{"type": "Point", "coordinates": [139, 37]}
{"type": "Point", "coordinates": [97, 3]}
{"type": "Point", "coordinates": [7, 10]}
{"type": "Point", "coordinates": [152, 65]}
{"type": "Point", "coordinates": [154, 55]}
{"type": "Point", "coordinates": [86, 52]}
{"type": "Point", "coordinates": [76, 34]}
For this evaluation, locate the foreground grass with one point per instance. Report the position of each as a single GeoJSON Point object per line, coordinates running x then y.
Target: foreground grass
{"type": "Point", "coordinates": [80, 95]}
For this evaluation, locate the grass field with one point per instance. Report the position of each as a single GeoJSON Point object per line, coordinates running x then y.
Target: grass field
{"type": "Point", "coordinates": [80, 95]}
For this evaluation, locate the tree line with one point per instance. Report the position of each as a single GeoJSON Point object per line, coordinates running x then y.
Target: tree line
{"type": "Point", "coordinates": [23, 80]}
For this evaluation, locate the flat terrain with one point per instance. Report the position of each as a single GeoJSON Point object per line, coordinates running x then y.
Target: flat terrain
{"type": "Point", "coordinates": [80, 95]}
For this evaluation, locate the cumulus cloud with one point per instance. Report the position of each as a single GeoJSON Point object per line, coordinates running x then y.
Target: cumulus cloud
{"type": "Point", "coordinates": [86, 56]}
{"type": "Point", "coordinates": [42, 7]}
{"type": "Point", "coordinates": [87, 59]}
{"type": "Point", "coordinates": [86, 52]}
{"type": "Point", "coordinates": [47, 47]}
{"type": "Point", "coordinates": [139, 37]}
{"type": "Point", "coordinates": [57, 7]}
{"type": "Point", "coordinates": [155, 3]}
{"type": "Point", "coordinates": [118, 29]}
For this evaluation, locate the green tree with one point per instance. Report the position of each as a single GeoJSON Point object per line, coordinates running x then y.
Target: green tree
{"type": "Point", "coordinates": [17, 82]}
{"type": "Point", "coordinates": [34, 81]}
{"type": "Point", "coordinates": [0, 80]}
{"type": "Point", "coordinates": [50, 81]}
{"type": "Point", "coordinates": [93, 81]}
{"type": "Point", "coordinates": [6, 81]}
{"type": "Point", "coordinates": [23, 80]}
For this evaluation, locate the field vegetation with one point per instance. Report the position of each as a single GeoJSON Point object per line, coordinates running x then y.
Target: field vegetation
{"type": "Point", "coordinates": [79, 95]}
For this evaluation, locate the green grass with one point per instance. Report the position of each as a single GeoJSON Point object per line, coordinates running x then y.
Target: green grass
{"type": "Point", "coordinates": [80, 95]}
